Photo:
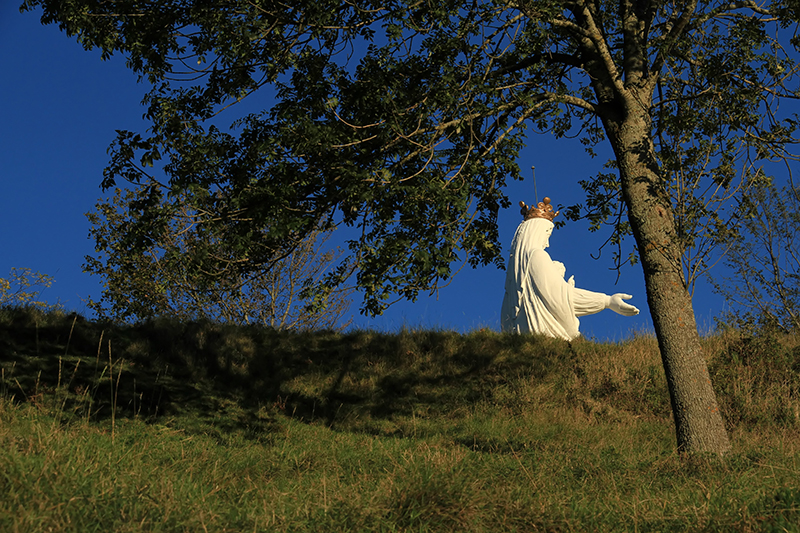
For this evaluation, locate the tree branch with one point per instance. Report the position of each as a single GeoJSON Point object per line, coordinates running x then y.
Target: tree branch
{"type": "Point", "coordinates": [677, 26]}
{"type": "Point", "coordinates": [551, 58]}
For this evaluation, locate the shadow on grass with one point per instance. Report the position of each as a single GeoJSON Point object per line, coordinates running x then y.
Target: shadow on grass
{"type": "Point", "coordinates": [221, 373]}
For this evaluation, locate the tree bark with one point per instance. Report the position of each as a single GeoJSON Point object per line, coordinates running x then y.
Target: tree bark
{"type": "Point", "coordinates": [698, 422]}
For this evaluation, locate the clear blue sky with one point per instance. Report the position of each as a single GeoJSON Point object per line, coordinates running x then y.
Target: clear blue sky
{"type": "Point", "coordinates": [61, 105]}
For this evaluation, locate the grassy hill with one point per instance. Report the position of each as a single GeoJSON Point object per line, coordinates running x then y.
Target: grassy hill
{"type": "Point", "coordinates": [170, 426]}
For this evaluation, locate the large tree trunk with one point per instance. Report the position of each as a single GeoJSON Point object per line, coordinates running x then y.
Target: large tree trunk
{"type": "Point", "coordinates": [624, 102]}
{"type": "Point", "coordinates": [698, 422]}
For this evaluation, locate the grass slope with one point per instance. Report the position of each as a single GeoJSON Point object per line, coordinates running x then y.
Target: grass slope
{"type": "Point", "coordinates": [201, 427]}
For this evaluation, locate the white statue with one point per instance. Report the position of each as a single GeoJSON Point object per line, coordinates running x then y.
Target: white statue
{"type": "Point", "coordinates": [538, 299]}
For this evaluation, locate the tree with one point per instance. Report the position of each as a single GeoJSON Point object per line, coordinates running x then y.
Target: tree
{"type": "Point", "coordinates": [404, 119]}
{"type": "Point", "coordinates": [764, 287]}
{"type": "Point", "coordinates": [164, 279]}
{"type": "Point", "coordinates": [23, 288]}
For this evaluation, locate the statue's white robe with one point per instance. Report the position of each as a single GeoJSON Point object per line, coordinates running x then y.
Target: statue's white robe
{"type": "Point", "coordinates": [537, 297]}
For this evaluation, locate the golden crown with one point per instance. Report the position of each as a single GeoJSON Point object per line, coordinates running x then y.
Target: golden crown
{"type": "Point", "coordinates": [542, 210]}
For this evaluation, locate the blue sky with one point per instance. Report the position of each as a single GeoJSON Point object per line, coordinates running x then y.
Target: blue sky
{"type": "Point", "coordinates": [61, 106]}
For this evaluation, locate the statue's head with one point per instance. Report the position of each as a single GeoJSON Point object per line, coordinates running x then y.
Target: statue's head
{"type": "Point", "coordinates": [535, 233]}
{"type": "Point", "coordinates": [541, 210]}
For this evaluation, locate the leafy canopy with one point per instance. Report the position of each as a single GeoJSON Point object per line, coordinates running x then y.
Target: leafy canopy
{"type": "Point", "coordinates": [403, 119]}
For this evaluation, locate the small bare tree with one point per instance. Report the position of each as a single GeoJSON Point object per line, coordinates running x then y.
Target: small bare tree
{"type": "Point", "coordinates": [764, 288]}
{"type": "Point", "coordinates": [162, 273]}
{"type": "Point", "coordinates": [23, 288]}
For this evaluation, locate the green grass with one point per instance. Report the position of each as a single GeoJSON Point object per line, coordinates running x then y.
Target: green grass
{"type": "Point", "coordinates": [203, 427]}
